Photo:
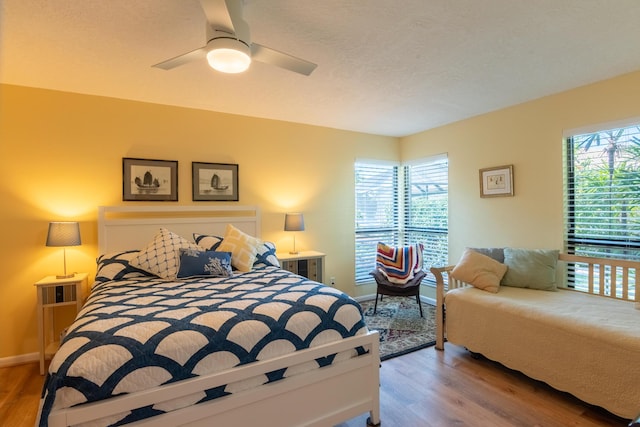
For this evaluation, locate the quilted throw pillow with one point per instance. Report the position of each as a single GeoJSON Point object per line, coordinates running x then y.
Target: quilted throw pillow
{"type": "Point", "coordinates": [399, 264]}
{"type": "Point", "coordinates": [266, 256]}
{"type": "Point", "coordinates": [162, 256]}
{"type": "Point", "coordinates": [204, 264]}
{"type": "Point", "coordinates": [243, 248]}
{"type": "Point", "coordinates": [115, 266]}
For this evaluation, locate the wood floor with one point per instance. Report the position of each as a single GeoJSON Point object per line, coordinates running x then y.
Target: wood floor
{"type": "Point", "coordinates": [424, 388]}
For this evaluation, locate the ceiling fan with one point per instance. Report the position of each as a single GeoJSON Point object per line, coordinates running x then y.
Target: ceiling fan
{"type": "Point", "coordinates": [229, 48]}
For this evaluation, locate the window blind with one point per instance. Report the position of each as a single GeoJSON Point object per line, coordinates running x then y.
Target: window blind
{"type": "Point", "coordinates": [426, 212]}
{"type": "Point", "coordinates": [602, 196]}
{"type": "Point", "coordinates": [376, 212]}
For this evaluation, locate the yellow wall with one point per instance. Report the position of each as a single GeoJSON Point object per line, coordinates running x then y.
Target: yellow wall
{"type": "Point", "coordinates": [528, 136]}
{"type": "Point", "coordinates": [61, 157]}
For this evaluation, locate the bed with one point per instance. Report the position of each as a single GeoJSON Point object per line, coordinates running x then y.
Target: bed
{"type": "Point", "coordinates": [261, 346]}
{"type": "Point", "coordinates": [585, 342]}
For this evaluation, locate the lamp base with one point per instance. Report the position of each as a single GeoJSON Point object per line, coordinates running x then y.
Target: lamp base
{"type": "Point", "coordinates": [293, 252]}
{"type": "Point", "coordinates": [65, 276]}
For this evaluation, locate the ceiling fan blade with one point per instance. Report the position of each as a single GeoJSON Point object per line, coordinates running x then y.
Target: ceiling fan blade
{"type": "Point", "coordinates": [282, 60]}
{"type": "Point", "coordinates": [194, 55]}
{"type": "Point", "coordinates": [218, 14]}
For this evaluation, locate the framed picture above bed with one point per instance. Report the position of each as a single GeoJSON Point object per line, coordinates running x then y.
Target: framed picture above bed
{"type": "Point", "coordinates": [215, 181]}
{"type": "Point", "coordinates": [497, 181]}
{"type": "Point", "coordinates": [147, 179]}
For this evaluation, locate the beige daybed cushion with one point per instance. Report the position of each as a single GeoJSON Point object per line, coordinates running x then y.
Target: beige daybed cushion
{"type": "Point", "coordinates": [586, 345]}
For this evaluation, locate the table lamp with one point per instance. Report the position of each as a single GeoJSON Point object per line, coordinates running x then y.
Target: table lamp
{"type": "Point", "coordinates": [293, 222]}
{"type": "Point", "coordinates": [64, 234]}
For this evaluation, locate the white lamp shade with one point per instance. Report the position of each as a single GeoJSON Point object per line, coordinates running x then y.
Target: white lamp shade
{"type": "Point", "coordinates": [293, 222]}
{"type": "Point", "coordinates": [63, 234]}
{"type": "Point", "coordinates": [228, 55]}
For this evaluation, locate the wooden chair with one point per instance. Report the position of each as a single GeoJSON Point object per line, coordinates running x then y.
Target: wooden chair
{"type": "Point", "coordinates": [409, 289]}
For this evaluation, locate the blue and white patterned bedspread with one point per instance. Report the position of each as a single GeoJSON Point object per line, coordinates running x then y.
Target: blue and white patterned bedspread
{"type": "Point", "coordinates": [132, 335]}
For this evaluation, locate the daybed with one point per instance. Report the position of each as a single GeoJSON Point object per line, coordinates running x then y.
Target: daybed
{"type": "Point", "coordinates": [586, 342]}
{"type": "Point", "coordinates": [155, 344]}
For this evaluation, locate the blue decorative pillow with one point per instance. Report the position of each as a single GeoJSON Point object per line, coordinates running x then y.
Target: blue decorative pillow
{"type": "Point", "coordinates": [266, 256]}
{"type": "Point", "coordinates": [194, 263]}
{"type": "Point", "coordinates": [207, 241]}
{"type": "Point", "coordinates": [115, 266]}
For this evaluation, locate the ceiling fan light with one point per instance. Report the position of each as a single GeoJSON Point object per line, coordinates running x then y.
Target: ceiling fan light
{"type": "Point", "coordinates": [228, 55]}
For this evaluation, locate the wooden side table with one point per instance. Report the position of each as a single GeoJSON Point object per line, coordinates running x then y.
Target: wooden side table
{"type": "Point", "coordinates": [53, 293]}
{"type": "Point", "coordinates": [309, 264]}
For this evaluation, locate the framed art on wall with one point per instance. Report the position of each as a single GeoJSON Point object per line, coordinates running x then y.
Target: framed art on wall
{"type": "Point", "coordinates": [497, 181]}
{"type": "Point", "coordinates": [147, 179]}
{"type": "Point", "coordinates": [215, 181]}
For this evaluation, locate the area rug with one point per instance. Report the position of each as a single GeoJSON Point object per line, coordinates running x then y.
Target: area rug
{"type": "Point", "coordinates": [401, 328]}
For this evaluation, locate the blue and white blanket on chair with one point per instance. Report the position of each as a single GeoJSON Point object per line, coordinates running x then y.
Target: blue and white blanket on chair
{"type": "Point", "coordinates": [132, 335]}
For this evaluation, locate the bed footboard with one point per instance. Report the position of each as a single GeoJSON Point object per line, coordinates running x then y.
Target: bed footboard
{"type": "Point", "coordinates": [324, 396]}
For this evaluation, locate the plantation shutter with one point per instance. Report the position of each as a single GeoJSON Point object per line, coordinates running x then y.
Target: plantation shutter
{"type": "Point", "coordinates": [376, 212]}
{"type": "Point", "coordinates": [426, 214]}
{"type": "Point", "coordinates": [602, 193]}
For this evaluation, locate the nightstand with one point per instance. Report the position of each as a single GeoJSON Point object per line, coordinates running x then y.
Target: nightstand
{"type": "Point", "coordinates": [53, 293]}
{"type": "Point", "coordinates": [309, 264]}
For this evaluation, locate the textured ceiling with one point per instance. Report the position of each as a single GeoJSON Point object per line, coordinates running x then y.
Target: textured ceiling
{"type": "Point", "coordinates": [384, 67]}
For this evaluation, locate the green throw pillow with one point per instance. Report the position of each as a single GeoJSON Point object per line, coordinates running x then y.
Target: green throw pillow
{"type": "Point", "coordinates": [531, 268]}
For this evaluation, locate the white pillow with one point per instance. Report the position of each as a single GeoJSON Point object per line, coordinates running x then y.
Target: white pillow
{"type": "Point", "coordinates": [162, 255]}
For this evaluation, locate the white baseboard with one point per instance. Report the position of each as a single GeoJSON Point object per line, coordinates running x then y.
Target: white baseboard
{"type": "Point", "coordinates": [19, 360]}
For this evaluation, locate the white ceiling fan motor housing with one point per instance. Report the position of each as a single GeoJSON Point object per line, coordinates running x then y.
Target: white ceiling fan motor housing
{"type": "Point", "coordinates": [228, 55]}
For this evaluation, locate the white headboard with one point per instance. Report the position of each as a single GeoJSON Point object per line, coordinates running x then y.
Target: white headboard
{"type": "Point", "coordinates": [130, 227]}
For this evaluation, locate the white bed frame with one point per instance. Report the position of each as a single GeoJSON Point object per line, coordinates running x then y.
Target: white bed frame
{"type": "Point", "coordinates": [321, 397]}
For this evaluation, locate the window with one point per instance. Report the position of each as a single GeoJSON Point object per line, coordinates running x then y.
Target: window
{"type": "Point", "coordinates": [426, 209]}
{"type": "Point", "coordinates": [376, 212]}
{"type": "Point", "coordinates": [401, 205]}
{"type": "Point", "coordinates": [602, 195]}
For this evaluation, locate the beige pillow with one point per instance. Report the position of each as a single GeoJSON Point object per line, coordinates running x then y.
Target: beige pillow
{"type": "Point", "coordinates": [479, 270]}
{"type": "Point", "coordinates": [243, 248]}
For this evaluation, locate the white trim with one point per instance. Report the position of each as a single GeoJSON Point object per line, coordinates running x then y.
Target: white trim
{"type": "Point", "coordinates": [20, 359]}
{"type": "Point", "coordinates": [426, 160]}
{"type": "Point", "coordinates": [377, 162]}
{"type": "Point", "coordinates": [623, 123]}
